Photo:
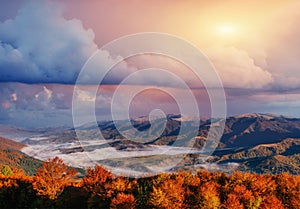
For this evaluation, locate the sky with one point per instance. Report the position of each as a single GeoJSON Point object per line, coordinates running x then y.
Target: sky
{"type": "Point", "coordinates": [254, 47]}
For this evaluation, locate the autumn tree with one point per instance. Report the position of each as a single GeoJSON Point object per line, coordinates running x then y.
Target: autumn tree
{"type": "Point", "coordinates": [209, 196]}
{"type": "Point", "coordinates": [271, 202]}
{"type": "Point", "coordinates": [123, 201]}
{"type": "Point", "coordinates": [263, 185]}
{"type": "Point", "coordinates": [245, 196]}
{"type": "Point", "coordinates": [288, 190]}
{"type": "Point", "coordinates": [190, 184]}
{"type": "Point", "coordinates": [233, 202]}
{"type": "Point", "coordinates": [168, 194]}
{"type": "Point", "coordinates": [16, 192]}
{"type": "Point", "coordinates": [142, 190]}
{"type": "Point", "coordinates": [98, 182]}
{"type": "Point", "coordinates": [52, 178]}
{"type": "Point", "coordinates": [121, 185]}
{"type": "Point", "coordinates": [101, 189]}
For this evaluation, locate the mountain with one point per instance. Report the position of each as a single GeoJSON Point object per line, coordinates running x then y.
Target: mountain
{"type": "Point", "coordinates": [255, 142]}
{"type": "Point", "coordinates": [244, 130]}
{"type": "Point", "coordinates": [254, 129]}
{"type": "Point", "coordinates": [6, 144]}
{"type": "Point", "coordinates": [283, 156]}
{"type": "Point", "coordinates": [11, 155]}
{"type": "Point", "coordinates": [15, 133]}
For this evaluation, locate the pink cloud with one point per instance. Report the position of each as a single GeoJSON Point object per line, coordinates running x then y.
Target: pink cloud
{"type": "Point", "coordinates": [6, 104]}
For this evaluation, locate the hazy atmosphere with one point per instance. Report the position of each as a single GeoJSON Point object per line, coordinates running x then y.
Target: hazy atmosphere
{"type": "Point", "coordinates": [253, 45]}
{"type": "Point", "coordinates": [150, 104]}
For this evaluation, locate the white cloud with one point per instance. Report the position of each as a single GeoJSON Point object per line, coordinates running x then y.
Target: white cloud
{"type": "Point", "coordinates": [237, 69]}
{"type": "Point", "coordinates": [40, 45]}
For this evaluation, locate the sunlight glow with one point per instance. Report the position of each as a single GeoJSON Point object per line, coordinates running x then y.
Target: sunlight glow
{"type": "Point", "coordinates": [226, 30]}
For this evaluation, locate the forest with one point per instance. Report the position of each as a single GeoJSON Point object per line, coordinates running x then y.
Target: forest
{"type": "Point", "coordinates": [55, 185]}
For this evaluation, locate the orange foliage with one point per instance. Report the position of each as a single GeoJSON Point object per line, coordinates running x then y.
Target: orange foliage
{"type": "Point", "coordinates": [262, 185]}
{"type": "Point", "coordinates": [170, 194]}
{"type": "Point", "coordinates": [288, 189]}
{"type": "Point", "coordinates": [101, 189]}
{"type": "Point", "coordinates": [209, 196]}
{"type": "Point", "coordinates": [233, 202]}
{"type": "Point", "coordinates": [271, 202]}
{"type": "Point", "coordinates": [7, 182]}
{"type": "Point", "coordinates": [97, 180]}
{"type": "Point", "coordinates": [119, 185]}
{"type": "Point", "coordinates": [123, 201]}
{"type": "Point", "coordinates": [11, 181]}
{"type": "Point", "coordinates": [244, 195]}
{"type": "Point", "coordinates": [51, 179]}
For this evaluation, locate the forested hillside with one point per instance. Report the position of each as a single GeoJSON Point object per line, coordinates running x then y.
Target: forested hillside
{"type": "Point", "coordinates": [11, 155]}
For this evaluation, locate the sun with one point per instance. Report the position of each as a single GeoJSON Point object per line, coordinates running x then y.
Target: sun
{"type": "Point", "coordinates": [226, 30]}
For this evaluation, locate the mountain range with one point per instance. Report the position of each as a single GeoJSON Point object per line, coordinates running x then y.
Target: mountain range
{"type": "Point", "coordinates": [261, 143]}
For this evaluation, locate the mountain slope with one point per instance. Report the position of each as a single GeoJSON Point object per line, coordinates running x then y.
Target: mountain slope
{"type": "Point", "coordinates": [11, 155]}
{"type": "Point", "coordinates": [254, 129]}
{"type": "Point", "coordinates": [278, 157]}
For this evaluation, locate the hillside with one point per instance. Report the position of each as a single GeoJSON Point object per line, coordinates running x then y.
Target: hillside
{"type": "Point", "coordinates": [10, 144]}
{"type": "Point", "coordinates": [255, 129]}
{"type": "Point", "coordinates": [11, 155]}
{"type": "Point", "coordinates": [278, 157]}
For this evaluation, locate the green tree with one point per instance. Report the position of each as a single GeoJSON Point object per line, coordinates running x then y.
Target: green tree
{"type": "Point", "coordinates": [6, 171]}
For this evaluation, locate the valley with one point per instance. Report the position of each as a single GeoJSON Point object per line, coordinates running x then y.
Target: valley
{"type": "Point", "coordinates": [259, 143]}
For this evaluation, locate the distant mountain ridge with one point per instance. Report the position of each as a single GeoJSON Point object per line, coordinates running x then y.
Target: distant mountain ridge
{"type": "Point", "coordinates": [260, 143]}
{"type": "Point", "coordinates": [244, 130]}
{"type": "Point", "coordinates": [254, 129]}
{"type": "Point", "coordinates": [255, 142]}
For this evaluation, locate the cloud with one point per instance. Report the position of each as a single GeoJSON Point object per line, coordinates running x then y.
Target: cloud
{"type": "Point", "coordinates": [39, 45]}
{"type": "Point", "coordinates": [35, 105]}
{"type": "Point", "coordinates": [43, 99]}
{"type": "Point", "coordinates": [284, 56]}
{"type": "Point", "coordinates": [237, 69]}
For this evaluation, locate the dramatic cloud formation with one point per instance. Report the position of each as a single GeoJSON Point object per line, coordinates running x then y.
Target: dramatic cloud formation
{"type": "Point", "coordinates": [45, 46]}
{"type": "Point", "coordinates": [40, 45]}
